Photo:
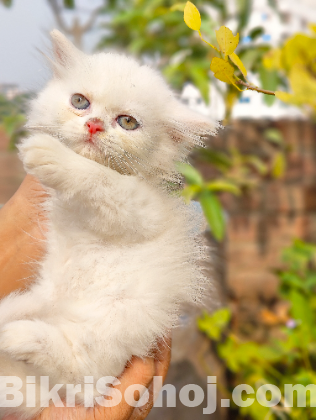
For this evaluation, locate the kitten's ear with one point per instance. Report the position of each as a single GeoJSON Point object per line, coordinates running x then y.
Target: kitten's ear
{"type": "Point", "coordinates": [189, 127]}
{"type": "Point", "coordinates": [64, 52]}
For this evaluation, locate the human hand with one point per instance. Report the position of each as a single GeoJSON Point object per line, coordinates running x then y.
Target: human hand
{"type": "Point", "coordinates": [138, 371]}
{"type": "Point", "coordinates": [22, 232]}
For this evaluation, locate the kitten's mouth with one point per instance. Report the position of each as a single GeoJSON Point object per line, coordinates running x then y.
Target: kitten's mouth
{"type": "Point", "coordinates": [92, 140]}
{"type": "Point", "coordinates": [95, 146]}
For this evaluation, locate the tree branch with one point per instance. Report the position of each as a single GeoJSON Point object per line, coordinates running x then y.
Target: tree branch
{"type": "Point", "coordinates": [87, 27]}
{"type": "Point", "coordinates": [256, 88]}
{"type": "Point", "coordinates": [58, 15]}
{"type": "Point", "coordinates": [76, 30]}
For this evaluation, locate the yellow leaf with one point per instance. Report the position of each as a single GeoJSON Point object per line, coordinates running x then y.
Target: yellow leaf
{"type": "Point", "coordinates": [237, 61]}
{"type": "Point", "coordinates": [298, 50]}
{"type": "Point", "coordinates": [283, 96]}
{"type": "Point", "coordinates": [272, 60]}
{"type": "Point", "coordinates": [223, 71]}
{"type": "Point", "coordinates": [192, 16]}
{"type": "Point", "coordinates": [223, 185]}
{"type": "Point", "coordinates": [278, 165]}
{"type": "Point", "coordinates": [312, 27]}
{"type": "Point", "coordinates": [303, 86]}
{"type": "Point", "coordinates": [226, 40]}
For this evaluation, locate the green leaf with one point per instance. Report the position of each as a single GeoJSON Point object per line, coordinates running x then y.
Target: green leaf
{"type": "Point", "coordinates": [292, 280]}
{"type": "Point", "coordinates": [258, 164]}
{"type": "Point", "coordinates": [190, 191]}
{"type": "Point", "coordinates": [192, 16]}
{"type": "Point", "coordinates": [274, 136]}
{"type": "Point", "coordinates": [11, 123]}
{"type": "Point", "coordinates": [256, 32]}
{"type": "Point", "coordinates": [310, 282]}
{"type": "Point", "coordinates": [245, 9]}
{"type": "Point", "coordinates": [269, 81]}
{"type": "Point", "coordinates": [219, 159]}
{"type": "Point", "coordinates": [269, 353]}
{"type": "Point", "coordinates": [300, 309]}
{"type": "Point", "coordinates": [273, 4]}
{"type": "Point", "coordinates": [7, 3]}
{"type": "Point", "coordinates": [222, 185]}
{"type": "Point", "coordinates": [213, 325]}
{"type": "Point", "coordinates": [191, 174]}
{"type": "Point", "coordinates": [201, 80]}
{"type": "Point", "coordinates": [298, 256]}
{"type": "Point", "coordinates": [13, 127]}
{"type": "Point", "coordinates": [69, 4]}
{"type": "Point", "coordinates": [213, 212]}
{"type": "Point", "coordinates": [178, 7]}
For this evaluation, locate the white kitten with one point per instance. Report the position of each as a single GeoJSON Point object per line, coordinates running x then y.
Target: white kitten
{"type": "Point", "coordinates": [120, 259]}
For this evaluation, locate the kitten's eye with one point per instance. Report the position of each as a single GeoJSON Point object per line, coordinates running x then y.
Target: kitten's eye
{"type": "Point", "coordinates": [79, 101]}
{"type": "Point", "coordinates": [127, 122]}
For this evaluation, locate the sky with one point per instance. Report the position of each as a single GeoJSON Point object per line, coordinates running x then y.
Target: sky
{"type": "Point", "coordinates": [23, 28]}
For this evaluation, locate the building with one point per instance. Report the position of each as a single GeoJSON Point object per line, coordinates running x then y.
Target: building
{"type": "Point", "coordinates": [292, 17]}
{"type": "Point", "coordinates": [9, 90]}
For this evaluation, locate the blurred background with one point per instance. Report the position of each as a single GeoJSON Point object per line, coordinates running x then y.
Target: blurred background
{"type": "Point", "coordinates": [259, 173]}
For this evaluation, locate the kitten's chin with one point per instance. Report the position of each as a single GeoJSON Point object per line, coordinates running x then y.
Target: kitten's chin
{"type": "Point", "coordinates": [105, 158]}
{"type": "Point", "coordinates": [123, 164]}
{"type": "Point", "coordinates": [93, 153]}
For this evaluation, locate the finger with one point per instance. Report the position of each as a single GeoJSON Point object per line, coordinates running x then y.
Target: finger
{"type": "Point", "coordinates": [138, 372]}
{"type": "Point", "coordinates": [162, 356]}
{"type": "Point", "coordinates": [142, 412]}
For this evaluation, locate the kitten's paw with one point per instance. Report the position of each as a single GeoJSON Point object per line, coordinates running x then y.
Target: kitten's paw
{"type": "Point", "coordinates": [24, 340]}
{"type": "Point", "coordinates": [44, 157]}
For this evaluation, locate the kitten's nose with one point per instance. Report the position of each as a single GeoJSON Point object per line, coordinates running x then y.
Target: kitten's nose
{"type": "Point", "coordinates": [94, 125]}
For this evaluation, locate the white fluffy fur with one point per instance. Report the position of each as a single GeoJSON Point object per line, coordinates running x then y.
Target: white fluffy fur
{"type": "Point", "coordinates": [120, 259]}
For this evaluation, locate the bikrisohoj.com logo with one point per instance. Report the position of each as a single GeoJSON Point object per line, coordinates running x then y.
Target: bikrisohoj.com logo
{"type": "Point", "coordinates": [190, 395]}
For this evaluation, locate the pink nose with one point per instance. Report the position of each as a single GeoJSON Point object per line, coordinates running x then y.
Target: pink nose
{"type": "Point", "coordinates": [94, 125]}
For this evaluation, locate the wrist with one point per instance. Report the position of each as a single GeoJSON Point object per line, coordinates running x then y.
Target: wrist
{"type": "Point", "coordinates": [21, 235]}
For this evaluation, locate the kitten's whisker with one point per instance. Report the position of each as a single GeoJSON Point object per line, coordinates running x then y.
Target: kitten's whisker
{"type": "Point", "coordinates": [138, 161]}
{"type": "Point", "coordinates": [132, 157]}
{"type": "Point", "coordinates": [130, 165]}
{"type": "Point", "coordinates": [123, 171]}
{"type": "Point", "coordinates": [40, 126]}
{"type": "Point", "coordinates": [124, 161]}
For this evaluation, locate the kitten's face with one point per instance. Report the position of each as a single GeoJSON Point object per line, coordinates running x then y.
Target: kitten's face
{"type": "Point", "coordinates": [108, 108]}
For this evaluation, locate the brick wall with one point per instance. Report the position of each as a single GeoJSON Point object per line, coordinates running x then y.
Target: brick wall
{"type": "Point", "coordinates": [263, 223]}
